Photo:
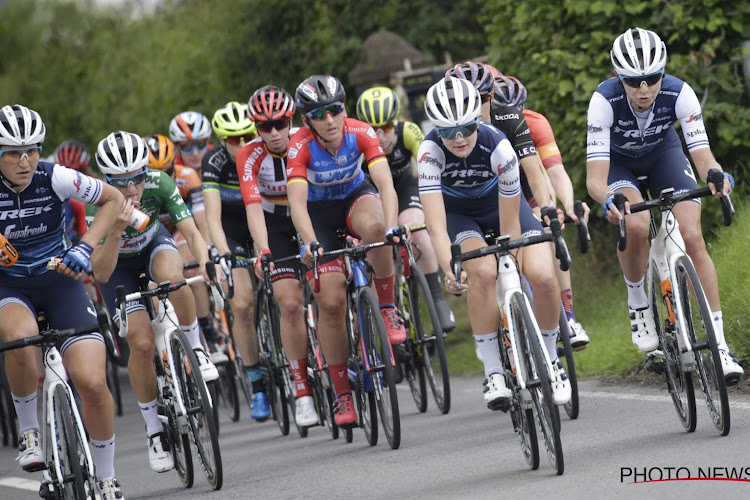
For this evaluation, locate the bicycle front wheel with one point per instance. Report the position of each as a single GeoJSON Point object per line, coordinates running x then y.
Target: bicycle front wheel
{"type": "Point", "coordinates": [679, 382]}
{"type": "Point", "coordinates": [538, 380]}
{"type": "Point", "coordinates": [70, 456]}
{"type": "Point", "coordinates": [430, 342]}
{"type": "Point", "coordinates": [692, 305]}
{"type": "Point", "coordinates": [566, 355]}
{"type": "Point", "coordinates": [200, 414]}
{"type": "Point", "coordinates": [380, 358]}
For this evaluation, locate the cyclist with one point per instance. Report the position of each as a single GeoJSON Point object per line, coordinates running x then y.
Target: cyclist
{"type": "Point", "coordinates": [127, 252]}
{"type": "Point", "coordinates": [190, 131]}
{"type": "Point", "coordinates": [261, 165]}
{"type": "Point", "coordinates": [327, 190]}
{"type": "Point", "coordinates": [630, 133]}
{"type": "Point", "coordinates": [161, 156]}
{"type": "Point", "coordinates": [509, 91]}
{"type": "Point", "coordinates": [380, 107]}
{"type": "Point", "coordinates": [469, 181]}
{"type": "Point", "coordinates": [229, 232]}
{"type": "Point", "coordinates": [73, 154]}
{"type": "Point", "coordinates": [33, 194]}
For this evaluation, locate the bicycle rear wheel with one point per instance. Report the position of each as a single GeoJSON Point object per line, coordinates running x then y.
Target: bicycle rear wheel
{"type": "Point", "coordinates": [679, 383]}
{"type": "Point", "coordinates": [70, 457]}
{"type": "Point", "coordinates": [566, 355]}
{"type": "Point", "coordinates": [408, 355]}
{"type": "Point", "coordinates": [8, 417]}
{"type": "Point", "coordinates": [200, 414]}
{"type": "Point", "coordinates": [538, 381]}
{"type": "Point", "coordinates": [380, 360]}
{"type": "Point", "coordinates": [267, 327]}
{"type": "Point", "coordinates": [692, 305]}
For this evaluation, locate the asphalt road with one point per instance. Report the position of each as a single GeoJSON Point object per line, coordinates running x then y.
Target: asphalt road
{"type": "Point", "coordinates": [469, 453]}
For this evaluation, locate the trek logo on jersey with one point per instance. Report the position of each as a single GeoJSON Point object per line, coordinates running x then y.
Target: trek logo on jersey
{"type": "Point", "coordinates": [24, 212]}
{"type": "Point", "coordinates": [637, 133]}
{"type": "Point", "coordinates": [695, 116]}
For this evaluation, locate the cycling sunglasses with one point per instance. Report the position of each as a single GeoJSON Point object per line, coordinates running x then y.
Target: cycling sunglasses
{"type": "Point", "coordinates": [385, 128]}
{"type": "Point", "coordinates": [16, 155]}
{"type": "Point", "coordinates": [193, 146]}
{"type": "Point", "coordinates": [635, 81]}
{"type": "Point", "coordinates": [320, 113]}
{"type": "Point", "coordinates": [234, 140]}
{"type": "Point", "coordinates": [124, 182]}
{"type": "Point", "coordinates": [451, 133]}
{"type": "Point", "coordinates": [267, 127]}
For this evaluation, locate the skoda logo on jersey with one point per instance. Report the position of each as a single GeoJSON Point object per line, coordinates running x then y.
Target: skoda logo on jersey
{"type": "Point", "coordinates": [341, 160]}
{"type": "Point", "coordinates": [292, 152]}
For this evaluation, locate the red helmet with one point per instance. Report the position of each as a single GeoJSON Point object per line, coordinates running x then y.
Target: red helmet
{"type": "Point", "coordinates": [269, 104]}
{"type": "Point", "coordinates": [73, 154]}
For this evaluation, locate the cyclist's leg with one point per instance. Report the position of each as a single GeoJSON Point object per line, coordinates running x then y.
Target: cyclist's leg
{"type": "Point", "coordinates": [200, 291]}
{"type": "Point", "coordinates": [366, 220]}
{"type": "Point", "coordinates": [18, 320]}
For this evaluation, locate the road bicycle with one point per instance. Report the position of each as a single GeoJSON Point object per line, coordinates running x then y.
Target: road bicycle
{"type": "Point", "coordinates": [8, 418]}
{"type": "Point", "coordinates": [527, 363]}
{"type": "Point", "coordinates": [422, 357]}
{"type": "Point", "coordinates": [183, 399]}
{"type": "Point", "coordinates": [680, 310]}
{"type": "Point", "coordinates": [371, 362]}
{"type": "Point", "coordinates": [68, 466]}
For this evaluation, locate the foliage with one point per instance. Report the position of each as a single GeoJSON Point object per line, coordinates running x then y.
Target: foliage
{"type": "Point", "coordinates": [562, 54]}
{"type": "Point", "coordinates": [91, 70]}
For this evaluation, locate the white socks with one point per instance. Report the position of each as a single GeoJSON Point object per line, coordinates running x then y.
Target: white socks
{"type": "Point", "coordinates": [150, 414]}
{"type": "Point", "coordinates": [193, 334]}
{"type": "Point", "coordinates": [488, 348]}
{"type": "Point", "coordinates": [103, 455]}
{"type": "Point", "coordinates": [636, 294]}
{"type": "Point", "coordinates": [26, 411]}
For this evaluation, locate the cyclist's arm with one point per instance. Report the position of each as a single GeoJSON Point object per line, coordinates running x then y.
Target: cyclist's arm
{"type": "Point", "coordinates": [437, 226]}
{"type": "Point", "coordinates": [212, 198]}
{"type": "Point", "coordinates": [562, 186]}
{"type": "Point", "coordinates": [510, 221]}
{"type": "Point", "coordinates": [380, 173]}
{"type": "Point", "coordinates": [534, 171]}
{"type": "Point", "coordinates": [198, 209]}
{"type": "Point", "coordinates": [256, 222]}
{"type": "Point", "coordinates": [296, 192]}
{"type": "Point", "coordinates": [105, 255]}
{"type": "Point", "coordinates": [195, 241]}
{"type": "Point", "coordinates": [704, 161]}
{"type": "Point", "coordinates": [110, 203]}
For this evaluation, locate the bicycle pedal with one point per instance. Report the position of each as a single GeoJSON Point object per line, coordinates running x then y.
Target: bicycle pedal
{"type": "Point", "coordinates": [654, 366]}
{"type": "Point", "coordinates": [580, 348]}
{"type": "Point", "coordinates": [732, 380]}
{"type": "Point", "coordinates": [35, 467]}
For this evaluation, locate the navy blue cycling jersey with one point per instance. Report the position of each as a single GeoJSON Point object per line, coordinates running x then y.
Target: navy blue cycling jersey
{"type": "Point", "coordinates": [491, 165]}
{"type": "Point", "coordinates": [33, 219]}
{"type": "Point", "coordinates": [613, 125]}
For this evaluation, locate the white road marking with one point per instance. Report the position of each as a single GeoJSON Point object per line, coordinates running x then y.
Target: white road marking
{"type": "Point", "coordinates": [733, 404]}
{"type": "Point", "coordinates": [20, 483]}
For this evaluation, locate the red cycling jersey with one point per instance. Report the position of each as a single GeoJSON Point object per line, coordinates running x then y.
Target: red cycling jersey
{"type": "Point", "coordinates": [544, 138]}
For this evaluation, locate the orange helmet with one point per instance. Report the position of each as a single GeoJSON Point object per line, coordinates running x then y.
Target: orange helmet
{"type": "Point", "coordinates": [160, 151]}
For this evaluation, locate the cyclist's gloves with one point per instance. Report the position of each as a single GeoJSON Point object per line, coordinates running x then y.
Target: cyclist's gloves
{"type": "Point", "coordinates": [304, 248]}
{"type": "Point", "coordinates": [225, 262]}
{"type": "Point", "coordinates": [393, 232]}
{"type": "Point", "coordinates": [77, 258]}
{"type": "Point", "coordinates": [610, 201]}
{"type": "Point", "coordinates": [716, 177]}
{"type": "Point", "coordinates": [264, 256]}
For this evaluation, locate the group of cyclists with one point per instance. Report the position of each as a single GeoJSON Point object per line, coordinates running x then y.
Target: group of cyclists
{"type": "Point", "coordinates": [271, 189]}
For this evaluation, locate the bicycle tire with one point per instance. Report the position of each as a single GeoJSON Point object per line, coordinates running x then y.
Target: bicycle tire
{"type": "Point", "coordinates": [710, 373]}
{"type": "Point", "coordinates": [68, 445]}
{"type": "Point", "coordinates": [266, 326]}
{"type": "Point", "coordinates": [566, 355]}
{"type": "Point", "coordinates": [228, 393]}
{"type": "Point", "coordinates": [213, 392]}
{"type": "Point", "coordinates": [8, 418]}
{"type": "Point", "coordinates": [408, 355]}
{"type": "Point", "coordinates": [380, 359]}
{"type": "Point", "coordinates": [679, 383]}
{"type": "Point", "coordinates": [430, 339]}
{"type": "Point", "coordinates": [113, 382]}
{"type": "Point", "coordinates": [540, 388]}
{"type": "Point", "coordinates": [200, 414]}
{"type": "Point", "coordinates": [320, 380]}
{"type": "Point", "coordinates": [244, 386]}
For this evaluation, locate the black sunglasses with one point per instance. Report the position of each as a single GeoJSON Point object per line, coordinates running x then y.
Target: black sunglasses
{"type": "Point", "coordinates": [635, 81]}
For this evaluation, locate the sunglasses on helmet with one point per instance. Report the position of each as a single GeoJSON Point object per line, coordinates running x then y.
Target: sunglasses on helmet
{"type": "Point", "coordinates": [451, 133]}
{"type": "Point", "coordinates": [320, 113]}
{"type": "Point", "coordinates": [267, 127]}
{"type": "Point", "coordinates": [636, 81]}
{"type": "Point", "coordinates": [234, 140]}
{"type": "Point", "coordinates": [124, 182]}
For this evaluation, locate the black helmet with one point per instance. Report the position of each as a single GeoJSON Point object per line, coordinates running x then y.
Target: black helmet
{"type": "Point", "coordinates": [317, 91]}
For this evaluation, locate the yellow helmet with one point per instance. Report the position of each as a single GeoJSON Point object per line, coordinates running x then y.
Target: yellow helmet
{"type": "Point", "coordinates": [378, 106]}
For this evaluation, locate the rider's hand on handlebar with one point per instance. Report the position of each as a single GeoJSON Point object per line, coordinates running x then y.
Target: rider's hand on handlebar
{"type": "Point", "coordinates": [263, 255]}
{"type": "Point", "coordinates": [570, 211]}
{"type": "Point", "coordinates": [726, 181]}
{"type": "Point", "coordinates": [394, 234]}
{"type": "Point", "coordinates": [548, 213]}
{"type": "Point", "coordinates": [450, 283]}
{"type": "Point", "coordinates": [306, 254]}
{"type": "Point", "coordinates": [610, 211]}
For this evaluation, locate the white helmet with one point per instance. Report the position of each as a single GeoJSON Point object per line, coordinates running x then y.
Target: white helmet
{"type": "Point", "coordinates": [638, 52]}
{"type": "Point", "coordinates": [452, 102]}
{"type": "Point", "coordinates": [121, 153]}
{"type": "Point", "coordinates": [189, 126]}
{"type": "Point", "coordinates": [20, 126]}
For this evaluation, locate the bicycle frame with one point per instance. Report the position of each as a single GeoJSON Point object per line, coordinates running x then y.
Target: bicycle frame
{"type": "Point", "coordinates": [55, 375]}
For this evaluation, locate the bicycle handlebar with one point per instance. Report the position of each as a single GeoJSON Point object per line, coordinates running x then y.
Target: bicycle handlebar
{"type": "Point", "coordinates": [583, 228]}
{"type": "Point", "coordinates": [667, 199]}
{"type": "Point", "coordinates": [53, 336]}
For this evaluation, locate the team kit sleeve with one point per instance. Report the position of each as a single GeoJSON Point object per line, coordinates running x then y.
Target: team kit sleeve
{"type": "Point", "coordinates": [298, 156]}
{"type": "Point", "coordinates": [368, 144]}
{"type": "Point", "coordinates": [544, 140]}
{"type": "Point", "coordinates": [506, 166]}
{"type": "Point", "coordinates": [600, 120]}
{"type": "Point", "coordinates": [413, 137]}
{"type": "Point", "coordinates": [171, 199]}
{"type": "Point", "coordinates": [68, 183]}
{"type": "Point", "coordinates": [430, 166]}
{"type": "Point", "coordinates": [247, 172]}
{"type": "Point", "coordinates": [688, 111]}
